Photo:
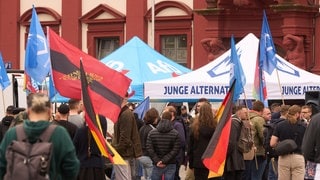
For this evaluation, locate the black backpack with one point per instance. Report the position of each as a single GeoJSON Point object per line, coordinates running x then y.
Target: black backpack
{"type": "Point", "coordinates": [29, 161]}
{"type": "Point", "coordinates": [267, 133]}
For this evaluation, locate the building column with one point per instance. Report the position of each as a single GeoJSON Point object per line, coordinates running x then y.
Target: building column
{"type": "Point", "coordinates": [10, 32]}
{"type": "Point", "coordinates": [135, 21]}
{"type": "Point", "coordinates": [70, 23]}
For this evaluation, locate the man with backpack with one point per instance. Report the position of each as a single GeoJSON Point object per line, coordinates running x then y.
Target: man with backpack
{"type": "Point", "coordinates": [37, 149]}
{"type": "Point", "coordinates": [234, 163]}
{"type": "Point", "coordinates": [271, 155]}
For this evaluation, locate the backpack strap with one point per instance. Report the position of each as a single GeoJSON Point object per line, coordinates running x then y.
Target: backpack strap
{"type": "Point", "coordinates": [21, 134]}
{"type": "Point", "coordinates": [44, 137]}
{"type": "Point", "coordinates": [46, 134]}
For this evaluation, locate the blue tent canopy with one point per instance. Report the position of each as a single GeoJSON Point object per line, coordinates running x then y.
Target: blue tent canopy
{"type": "Point", "coordinates": [141, 63]}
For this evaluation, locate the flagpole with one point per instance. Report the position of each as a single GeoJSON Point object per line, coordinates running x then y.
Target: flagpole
{"type": "Point", "coordinates": [279, 84]}
{"type": "Point", "coordinates": [3, 104]}
{"type": "Point", "coordinates": [152, 22]}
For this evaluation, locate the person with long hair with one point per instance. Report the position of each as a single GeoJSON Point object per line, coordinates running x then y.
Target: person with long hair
{"type": "Point", "coordinates": [202, 129]}
{"type": "Point", "coordinates": [292, 165]}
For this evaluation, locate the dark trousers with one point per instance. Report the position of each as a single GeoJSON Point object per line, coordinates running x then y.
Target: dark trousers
{"type": "Point", "coordinates": [233, 175]}
{"type": "Point", "coordinates": [176, 175]}
{"type": "Point", "coordinates": [202, 174]}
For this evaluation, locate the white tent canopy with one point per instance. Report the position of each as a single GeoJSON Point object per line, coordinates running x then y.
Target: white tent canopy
{"type": "Point", "coordinates": [212, 80]}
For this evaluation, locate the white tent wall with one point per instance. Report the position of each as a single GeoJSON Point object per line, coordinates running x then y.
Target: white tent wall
{"type": "Point", "coordinates": [212, 80]}
{"type": "Point", "coordinates": [7, 98]}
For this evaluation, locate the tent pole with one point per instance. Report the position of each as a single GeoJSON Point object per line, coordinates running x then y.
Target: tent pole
{"type": "Point", "coordinates": [282, 98]}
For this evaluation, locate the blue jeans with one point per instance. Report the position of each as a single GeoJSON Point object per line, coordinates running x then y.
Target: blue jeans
{"type": "Point", "coordinates": [273, 175]}
{"type": "Point", "coordinates": [147, 166]}
{"type": "Point", "coordinates": [168, 172]}
{"type": "Point", "coordinates": [256, 174]}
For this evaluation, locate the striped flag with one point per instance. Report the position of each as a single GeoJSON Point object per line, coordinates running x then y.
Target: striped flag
{"type": "Point", "coordinates": [214, 157]}
{"type": "Point", "coordinates": [259, 85]}
{"type": "Point", "coordinates": [92, 119]}
{"type": "Point", "coordinates": [108, 86]}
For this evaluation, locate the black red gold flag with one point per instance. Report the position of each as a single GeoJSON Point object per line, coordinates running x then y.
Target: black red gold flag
{"type": "Point", "coordinates": [214, 157]}
{"type": "Point", "coordinates": [93, 122]}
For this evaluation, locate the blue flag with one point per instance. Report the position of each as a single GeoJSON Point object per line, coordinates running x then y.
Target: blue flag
{"type": "Point", "coordinates": [4, 79]}
{"type": "Point", "coordinates": [236, 72]}
{"type": "Point", "coordinates": [142, 108]}
{"type": "Point", "coordinates": [37, 62]}
{"type": "Point", "coordinates": [268, 61]}
{"type": "Point", "coordinates": [52, 89]}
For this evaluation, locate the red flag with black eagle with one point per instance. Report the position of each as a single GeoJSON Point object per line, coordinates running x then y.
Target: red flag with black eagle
{"type": "Point", "coordinates": [108, 86]}
{"type": "Point", "coordinates": [214, 157]}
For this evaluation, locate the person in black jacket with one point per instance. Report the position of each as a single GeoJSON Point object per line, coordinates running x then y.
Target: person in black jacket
{"type": "Point", "coordinates": [202, 130]}
{"type": "Point", "coordinates": [92, 164]}
{"type": "Point", "coordinates": [291, 128]}
{"type": "Point", "coordinates": [63, 113]}
{"type": "Point", "coordinates": [6, 121]}
{"type": "Point", "coordinates": [150, 120]}
{"type": "Point", "coordinates": [310, 145]}
{"type": "Point", "coordinates": [163, 145]}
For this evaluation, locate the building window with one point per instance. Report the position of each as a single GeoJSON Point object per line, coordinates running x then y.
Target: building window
{"type": "Point", "coordinates": [106, 45]}
{"type": "Point", "coordinates": [174, 47]}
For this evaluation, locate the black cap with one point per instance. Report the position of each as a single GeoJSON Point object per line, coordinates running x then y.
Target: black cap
{"type": "Point", "coordinates": [63, 109]}
{"type": "Point", "coordinates": [10, 109]}
{"type": "Point", "coordinates": [14, 110]}
{"type": "Point", "coordinates": [18, 110]}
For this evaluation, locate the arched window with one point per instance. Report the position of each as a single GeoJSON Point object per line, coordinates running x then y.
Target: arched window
{"type": "Point", "coordinates": [173, 30]}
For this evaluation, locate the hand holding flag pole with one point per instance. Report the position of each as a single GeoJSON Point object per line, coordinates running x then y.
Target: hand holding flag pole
{"type": "Point", "coordinates": [93, 121]}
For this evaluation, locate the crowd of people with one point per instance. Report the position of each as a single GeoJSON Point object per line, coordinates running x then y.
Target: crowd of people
{"type": "Point", "coordinates": [159, 145]}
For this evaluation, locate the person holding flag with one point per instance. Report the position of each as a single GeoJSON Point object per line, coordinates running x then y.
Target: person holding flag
{"type": "Point", "coordinates": [234, 164]}
{"type": "Point", "coordinates": [258, 164]}
{"type": "Point", "coordinates": [91, 160]}
{"type": "Point", "coordinates": [126, 141]}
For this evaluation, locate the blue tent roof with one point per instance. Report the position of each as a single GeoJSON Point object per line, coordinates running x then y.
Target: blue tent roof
{"type": "Point", "coordinates": [141, 63]}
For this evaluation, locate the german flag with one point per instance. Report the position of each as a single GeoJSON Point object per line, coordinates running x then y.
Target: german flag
{"type": "Point", "coordinates": [92, 119]}
{"type": "Point", "coordinates": [214, 157]}
{"type": "Point", "coordinates": [108, 86]}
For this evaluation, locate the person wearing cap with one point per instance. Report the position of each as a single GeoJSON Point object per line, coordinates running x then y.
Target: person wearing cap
{"type": "Point", "coordinates": [11, 111]}
{"type": "Point", "coordinates": [187, 118]}
{"type": "Point", "coordinates": [63, 113]}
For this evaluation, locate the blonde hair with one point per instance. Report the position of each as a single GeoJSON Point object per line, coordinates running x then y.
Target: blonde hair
{"type": "Point", "coordinates": [292, 111]}
{"type": "Point", "coordinates": [38, 102]}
